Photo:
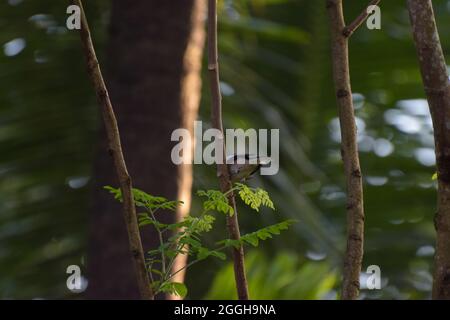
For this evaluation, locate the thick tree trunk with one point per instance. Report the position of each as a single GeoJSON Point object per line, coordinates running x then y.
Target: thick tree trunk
{"type": "Point", "coordinates": [437, 88]}
{"type": "Point", "coordinates": [153, 73]}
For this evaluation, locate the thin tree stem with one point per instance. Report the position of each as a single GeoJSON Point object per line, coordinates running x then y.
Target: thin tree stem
{"type": "Point", "coordinates": [349, 148]}
{"type": "Point", "coordinates": [170, 269]}
{"type": "Point", "coordinates": [437, 88]}
{"type": "Point", "coordinates": [170, 276]}
{"type": "Point", "coordinates": [222, 168]}
{"type": "Point", "coordinates": [115, 150]}
{"type": "Point", "coordinates": [348, 30]}
{"type": "Point", "coordinates": [161, 242]}
{"type": "Point", "coordinates": [179, 247]}
{"type": "Point", "coordinates": [188, 265]}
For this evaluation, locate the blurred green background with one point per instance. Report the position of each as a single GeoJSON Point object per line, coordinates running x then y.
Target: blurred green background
{"type": "Point", "coordinates": [276, 73]}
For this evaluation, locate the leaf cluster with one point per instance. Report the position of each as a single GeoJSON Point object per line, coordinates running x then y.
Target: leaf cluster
{"type": "Point", "coordinates": [255, 198]}
{"type": "Point", "coordinates": [185, 237]}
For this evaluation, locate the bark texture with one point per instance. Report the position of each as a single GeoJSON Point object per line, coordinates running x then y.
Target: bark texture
{"type": "Point", "coordinates": [437, 88]}
{"type": "Point", "coordinates": [154, 58]}
{"type": "Point", "coordinates": [222, 169]}
{"type": "Point", "coordinates": [190, 100]}
{"type": "Point", "coordinates": [115, 150]}
{"type": "Point", "coordinates": [349, 149]}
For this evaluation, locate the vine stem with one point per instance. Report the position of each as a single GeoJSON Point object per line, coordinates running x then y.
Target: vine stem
{"type": "Point", "coordinates": [222, 168]}
{"type": "Point", "coordinates": [437, 88]}
{"type": "Point", "coordinates": [349, 148]}
{"type": "Point", "coordinates": [115, 150]}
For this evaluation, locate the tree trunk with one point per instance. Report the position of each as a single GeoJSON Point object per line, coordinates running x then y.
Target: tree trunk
{"type": "Point", "coordinates": [115, 150]}
{"type": "Point", "coordinates": [349, 149]}
{"type": "Point", "coordinates": [153, 74]}
{"type": "Point", "coordinates": [222, 168]}
{"type": "Point", "coordinates": [437, 88]}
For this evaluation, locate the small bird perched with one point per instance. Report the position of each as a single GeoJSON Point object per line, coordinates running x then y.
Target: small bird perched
{"type": "Point", "coordinates": [240, 172]}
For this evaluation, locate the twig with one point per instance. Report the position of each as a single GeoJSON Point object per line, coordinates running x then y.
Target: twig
{"type": "Point", "coordinates": [170, 276]}
{"type": "Point", "coordinates": [178, 249]}
{"type": "Point", "coordinates": [348, 30]}
{"type": "Point", "coordinates": [161, 242]}
{"type": "Point", "coordinates": [170, 269]}
{"type": "Point", "coordinates": [437, 88]}
{"type": "Point", "coordinates": [349, 148]}
{"type": "Point", "coordinates": [222, 168]}
{"type": "Point", "coordinates": [115, 149]}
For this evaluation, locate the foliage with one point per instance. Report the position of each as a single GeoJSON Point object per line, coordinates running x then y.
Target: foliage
{"type": "Point", "coordinates": [216, 201]}
{"type": "Point", "coordinates": [275, 65]}
{"type": "Point", "coordinates": [184, 237]}
{"type": "Point", "coordinates": [261, 234]}
{"type": "Point", "coordinates": [254, 197]}
{"type": "Point", "coordinates": [282, 276]}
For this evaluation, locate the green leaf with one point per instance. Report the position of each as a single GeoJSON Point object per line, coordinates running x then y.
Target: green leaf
{"type": "Point", "coordinates": [190, 241]}
{"type": "Point", "coordinates": [156, 271]}
{"type": "Point", "coordinates": [144, 223]}
{"type": "Point", "coordinates": [434, 176]}
{"type": "Point", "coordinates": [170, 253]}
{"type": "Point", "coordinates": [204, 223]}
{"type": "Point", "coordinates": [144, 219]}
{"type": "Point", "coordinates": [115, 192]}
{"type": "Point", "coordinates": [252, 239]}
{"type": "Point", "coordinates": [230, 243]}
{"type": "Point", "coordinates": [216, 201]}
{"type": "Point", "coordinates": [180, 289]}
{"type": "Point", "coordinates": [254, 198]}
{"type": "Point", "coordinates": [176, 288]}
{"type": "Point", "coordinates": [155, 285]}
{"type": "Point", "coordinates": [193, 225]}
{"type": "Point", "coordinates": [261, 234]}
{"type": "Point", "coordinates": [218, 254]}
{"type": "Point", "coordinates": [203, 253]}
{"type": "Point", "coordinates": [143, 199]}
{"type": "Point", "coordinates": [153, 252]}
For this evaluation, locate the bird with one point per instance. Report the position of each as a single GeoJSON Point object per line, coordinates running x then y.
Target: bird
{"type": "Point", "coordinates": [241, 172]}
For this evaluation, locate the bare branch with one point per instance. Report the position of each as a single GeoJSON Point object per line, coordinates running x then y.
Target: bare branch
{"type": "Point", "coordinates": [348, 30]}
{"type": "Point", "coordinates": [355, 211]}
{"type": "Point", "coordinates": [437, 88]}
{"type": "Point", "coordinates": [222, 168]}
{"type": "Point", "coordinates": [115, 149]}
